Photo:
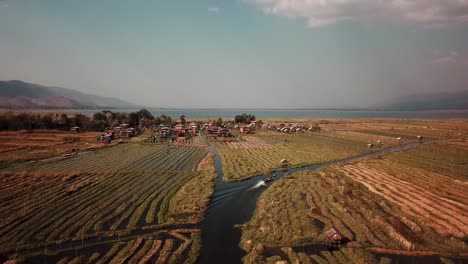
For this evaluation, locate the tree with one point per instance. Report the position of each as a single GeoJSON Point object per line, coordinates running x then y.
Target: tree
{"type": "Point", "coordinates": [219, 122]}
{"type": "Point", "coordinates": [182, 119]}
{"type": "Point", "coordinates": [48, 122]}
{"type": "Point", "coordinates": [133, 119]}
{"type": "Point", "coordinates": [244, 118]}
{"type": "Point", "coordinates": [146, 118]}
{"type": "Point", "coordinates": [100, 116]}
{"type": "Point", "coordinates": [64, 122]}
{"type": "Point", "coordinates": [143, 113]}
{"type": "Point", "coordinates": [164, 119]}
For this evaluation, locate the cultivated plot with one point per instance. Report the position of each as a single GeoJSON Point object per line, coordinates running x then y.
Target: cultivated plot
{"type": "Point", "coordinates": [262, 153]}
{"type": "Point", "coordinates": [132, 190]}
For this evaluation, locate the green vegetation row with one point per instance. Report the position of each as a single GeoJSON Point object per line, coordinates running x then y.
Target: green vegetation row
{"type": "Point", "coordinates": [299, 150]}
{"type": "Point", "coordinates": [299, 208]}
{"type": "Point", "coordinates": [259, 255]}
{"type": "Point", "coordinates": [110, 190]}
{"type": "Point", "coordinates": [172, 247]}
{"type": "Point", "coordinates": [122, 158]}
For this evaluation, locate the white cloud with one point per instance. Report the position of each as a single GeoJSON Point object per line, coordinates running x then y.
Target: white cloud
{"type": "Point", "coordinates": [213, 9]}
{"type": "Point", "coordinates": [320, 13]}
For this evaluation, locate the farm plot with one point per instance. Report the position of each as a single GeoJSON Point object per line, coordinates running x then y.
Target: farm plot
{"type": "Point", "coordinates": [261, 254]}
{"type": "Point", "coordinates": [247, 160]}
{"type": "Point", "coordinates": [111, 192]}
{"type": "Point", "coordinates": [407, 129]}
{"type": "Point", "coordinates": [174, 246]}
{"type": "Point", "coordinates": [194, 141]}
{"type": "Point", "coordinates": [299, 208]}
{"type": "Point", "coordinates": [122, 158]}
{"type": "Point", "coordinates": [250, 142]}
{"type": "Point", "coordinates": [449, 158]}
{"type": "Point", "coordinates": [39, 144]}
{"type": "Point", "coordinates": [54, 209]}
{"type": "Point", "coordinates": [422, 185]}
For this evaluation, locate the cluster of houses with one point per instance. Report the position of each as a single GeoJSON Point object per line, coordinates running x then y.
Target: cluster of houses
{"type": "Point", "coordinates": [217, 131]}
{"type": "Point", "coordinates": [211, 128]}
{"type": "Point", "coordinates": [281, 127]}
{"type": "Point", "coordinates": [121, 131]}
{"type": "Point", "coordinates": [225, 129]}
{"type": "Point", "coordinates": [179, 130]}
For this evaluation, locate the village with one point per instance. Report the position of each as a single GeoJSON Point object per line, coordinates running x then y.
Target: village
{"type": "Point", "coordinates": [223, 131]}
{"type": "Point", "coordinates": [183, 129]}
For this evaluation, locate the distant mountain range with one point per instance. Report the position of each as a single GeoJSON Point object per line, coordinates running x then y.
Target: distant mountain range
{"type": "Point", "coordinates": [22, 95]}
{"type": "Point", "coordinates": [433, 101]}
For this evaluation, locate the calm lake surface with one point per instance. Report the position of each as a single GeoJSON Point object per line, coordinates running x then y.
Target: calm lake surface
{"type": "Point", "coordinates": [289, 113]}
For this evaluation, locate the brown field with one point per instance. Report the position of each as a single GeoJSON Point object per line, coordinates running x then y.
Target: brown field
{"type": "Point", "coordinates": [119, 201]}
{"type": "Point", "coordinates": [412, 202]}
{"type": "Point", "coordinates": [16, 146]}
{"type": "Point", "coordinates": [262, 152]}
{"type": "Point", "coordinates": [437, 198]}
{"type": "Point", "coordinates": [440, 129]}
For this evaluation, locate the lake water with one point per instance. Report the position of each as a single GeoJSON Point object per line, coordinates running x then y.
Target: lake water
{"type": "Point", "coordinates": [291, 113]}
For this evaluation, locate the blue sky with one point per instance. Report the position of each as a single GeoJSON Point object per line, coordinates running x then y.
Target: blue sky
{"type": "Point", "coordinates": [236, 54]}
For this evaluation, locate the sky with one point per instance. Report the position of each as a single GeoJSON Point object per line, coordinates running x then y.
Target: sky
{"type": "Point", "coordinates": [239, 53]}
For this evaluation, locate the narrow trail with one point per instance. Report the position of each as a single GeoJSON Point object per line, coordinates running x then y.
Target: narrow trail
{"type": "Point", "coordinates": [234, 203]}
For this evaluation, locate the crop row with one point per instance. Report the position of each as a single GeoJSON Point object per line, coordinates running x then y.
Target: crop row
{"type": "Point", "coordinates": [299, 150]}
{"type": "Point", "coordinates": [447, 158]}
{"type": "Point", "coordinates": [51, 209]}
{"type": "Point", "coordinates": [176, 246]}
{"type": "Point", "coordinates": [123, 158]}
{"type": "Point", "coordinates": [298, 209]}
{"type": "Point", "coordinates": [250, 142]}
{"type": "Point", "coordinates": [444, 215]}
{"type": "Point", "coordinates": [304, 256]}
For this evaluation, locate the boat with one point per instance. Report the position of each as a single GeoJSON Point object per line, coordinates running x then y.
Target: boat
{"type": "Point", "coordinates": [269, 179]}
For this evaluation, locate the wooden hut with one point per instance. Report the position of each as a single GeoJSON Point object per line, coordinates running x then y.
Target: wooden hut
{"type": "Point", "coordinates": [284, 163]}
{"type": "Point", "coordinates": [333, 238]}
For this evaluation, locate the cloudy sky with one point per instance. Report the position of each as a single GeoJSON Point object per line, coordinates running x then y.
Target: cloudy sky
{"type": "Point", "coordinates": [239, 53]}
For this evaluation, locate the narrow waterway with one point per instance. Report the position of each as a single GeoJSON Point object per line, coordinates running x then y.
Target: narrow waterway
{"type": "Point", "coordinates": [234, 203]}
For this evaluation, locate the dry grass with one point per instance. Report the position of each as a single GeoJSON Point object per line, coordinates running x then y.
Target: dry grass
{"type": "Point", "coordinates": [412, 200]}
{"type": "Point", "coordinates": [296, 211]}
{"type": "Point", "coordinates": [192, 199]}
{"type": "Point", "coordinates": [160, 247]}
{"type": "Point", "coordinates": [428, 183]}
{"type": "Point", "coordinates": [261, 153]}
{"type": "Point", "coordinates": [18, 146]}
{"type": "Point", "coordinates": [116, 191]}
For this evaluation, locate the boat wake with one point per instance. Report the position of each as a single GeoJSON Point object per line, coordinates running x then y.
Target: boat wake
{"type": "Point", "coordinates": [258, 185]}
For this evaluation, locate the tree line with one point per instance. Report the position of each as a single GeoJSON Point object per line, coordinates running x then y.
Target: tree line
{"type": "Point", "coordinates": [244, 118]}
{"type": "Point", "coordinates": [99, 121]}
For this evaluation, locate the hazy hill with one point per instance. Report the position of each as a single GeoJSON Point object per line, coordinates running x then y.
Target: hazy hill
{"type": "Point", "coordinates": [434, 101]}
{"type": "Point", "coordinates": [20, 95]}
